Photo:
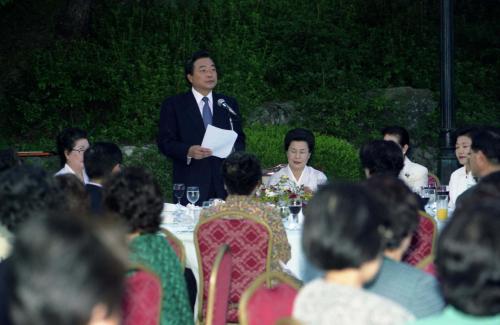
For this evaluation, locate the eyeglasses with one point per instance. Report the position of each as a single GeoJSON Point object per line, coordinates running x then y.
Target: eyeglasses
{"type": "Point", "coordinates": [79, 150]}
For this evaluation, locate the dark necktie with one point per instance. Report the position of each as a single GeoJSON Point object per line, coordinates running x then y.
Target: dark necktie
{"type": "Point", "coordinates": [207, 114]}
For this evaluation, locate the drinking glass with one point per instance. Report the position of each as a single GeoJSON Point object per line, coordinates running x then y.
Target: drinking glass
{"type": "Point", "coordinates": [193, 194]}
{"type": "Point", "coordinates": [178, 193]}
{"type": "Point", "coordinates": [207, 204]}
{"type": "Point", "coordinates": [295, 205]}
{"type": "Point", "coordinates": [428, 195]}
{"type": "Point", "coordinates": [442, 207]}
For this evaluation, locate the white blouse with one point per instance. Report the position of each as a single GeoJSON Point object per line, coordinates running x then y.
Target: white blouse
{"type": "Point", "coordinates": [67, 170]}
{"type": "Point", "coordinates": [460, 181]}
{"type": "Point", "coordinates": [310, 177]}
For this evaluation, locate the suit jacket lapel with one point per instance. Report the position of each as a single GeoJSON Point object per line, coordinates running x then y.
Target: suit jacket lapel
{"type": "Point", "coordinates": [193, 111]}
{"type": "Point", "coordinates": [219, 118]}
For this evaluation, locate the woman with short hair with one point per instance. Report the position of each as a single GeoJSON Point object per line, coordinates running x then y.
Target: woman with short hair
{"type": "Point", "coordinates": [71, 145]}
{"type": "Point", "coordinates": [342, 234]}
{"type": "Point", "coordinates": [299, 146]}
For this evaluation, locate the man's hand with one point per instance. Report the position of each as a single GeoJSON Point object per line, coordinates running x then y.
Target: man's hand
{"type": "Point", "coordinates": [199, 152]}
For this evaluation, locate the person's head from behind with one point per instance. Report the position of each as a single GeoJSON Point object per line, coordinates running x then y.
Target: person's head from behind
{"type": "Point", "coordinates": [101, 160]}
{"type": "Point", "coordinates": [8, 159]}
{"type": "Point", "coordinates": [402, 217]}
{"type": "Point", "coordinates": [73, 190]}
{"type": "Point", "coordinates": [64, 271]}
{"type": "Point", "coordinates": [24, 191]}
{"type": "Point", "coordinates": [485, 151]}
{"type": "Point", "coordinates": [399, 135]}
{"type": "Point", "coordinates": [380, 157]}
{"type": "Point", "coordinates": [342, 230]}
{"type": "Point", "coordinates": [241, 173]}
{"type": "Point", "coordinates": [201, 72]}
{"type": "Point", "coordinates": [463, 145]}
{"type": "Point", "coordinates": [135, 196]}
{"type": "Point", "coordinates": [468, 258]}
{"type": "Point", "coordinates": [299, 146]}
{"type": "Point", "coordinates": [71, 144]}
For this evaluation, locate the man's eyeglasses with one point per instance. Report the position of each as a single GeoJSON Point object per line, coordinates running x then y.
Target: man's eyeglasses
{"type": "Point", "coordinates": [79, 150]}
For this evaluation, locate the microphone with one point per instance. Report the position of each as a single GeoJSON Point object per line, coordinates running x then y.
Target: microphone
{"type": "Point", "coordinates": [222, 103]}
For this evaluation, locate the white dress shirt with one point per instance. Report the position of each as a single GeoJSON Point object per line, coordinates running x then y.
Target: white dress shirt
{"type": "Point", "coordinates": [310, 177]}
{"type": "Point", "coordinates": [201, 103]}
{"type": "Point", "coordinates": [414, 175]}
{"type": "Point", "coordinates": [67, 170]}
{"type": "Point", "coordinates": [460, 181]}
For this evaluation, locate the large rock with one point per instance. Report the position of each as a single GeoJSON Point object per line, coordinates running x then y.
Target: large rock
{"type": "Point", "coordinates": [273, 113]}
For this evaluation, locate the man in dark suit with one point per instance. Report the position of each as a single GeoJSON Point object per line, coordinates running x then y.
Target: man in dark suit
{"type": "Point", "coordinates": [183, 121]}
{"type": "Point", "coordinates": [100, 160]}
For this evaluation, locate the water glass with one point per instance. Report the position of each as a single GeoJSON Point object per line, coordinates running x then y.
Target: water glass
{"type": "Point", "coordinates": [178, 193]}
{"type": "Point", "coordinates": [207, 204]}
{"type": "Point", "coordinates": [193, 194]}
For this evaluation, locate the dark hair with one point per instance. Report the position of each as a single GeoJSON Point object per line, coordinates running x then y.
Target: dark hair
{"type": "Point", "coordinates": [25, 191]}
{"type": "Point", "coordinates": [135, 196]}
{"type": "Point", "coordinates": [465, 131]}
{"type": "Point", "coordinates": [101, 158]}
{"type": "Point", "coordinates": [402, 215]}
{"type": "Point", "coordinates": [189, 65]}
{"type": "Point", "coordinates": [8, 159]}
{"type": "Point", "coordinates": [382, 157]}
{"type": "Point", "coordinates": [400, 132]}
{"type": "Point", "coordinates": [66, 140]}
{"type": "Point", "coordinates": [300, 134]}
{"type": "Point", "coordinates": [487, 140]}
{"type": "Point", "coordinates": [74, 192]}
{"type": "Point", "coordinates": [342, 227]}
{"type": "Point", "coordinates": [468, 258]}
{"type": "Point", "coordinates": [241, 172]}
{"type": "Point", "coordinates": [61, 270]}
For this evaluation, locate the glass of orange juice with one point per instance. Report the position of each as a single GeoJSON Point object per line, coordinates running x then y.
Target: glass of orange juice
{"type": "Point", "coordinates": [442, 207]}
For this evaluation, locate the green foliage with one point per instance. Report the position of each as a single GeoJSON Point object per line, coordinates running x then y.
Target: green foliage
{"type": "Point", "coordinates": [323, 55]}
{"type": "Point", "coordinates": [335, 157]}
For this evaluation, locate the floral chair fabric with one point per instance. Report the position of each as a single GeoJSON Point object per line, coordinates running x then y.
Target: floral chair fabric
{"type": "Point", "coordinates": [141, 304]}
{"type": "Point", "coordinates": [423, 241]}
{"type": "Point", "coordinates": [249, 240]}
{"type": "Point", "coordinates": [268, 299]}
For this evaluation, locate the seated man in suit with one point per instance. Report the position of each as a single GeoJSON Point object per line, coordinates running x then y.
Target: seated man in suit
{"type": "Point", "coordinates": [413, 174]}
{"type": "Point", "coordinates": [101, 160]}
{"type": "Point", "coordinates": [183, 121]}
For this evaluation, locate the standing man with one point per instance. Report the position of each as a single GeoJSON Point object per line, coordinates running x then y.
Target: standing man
{"type": "Point", "coordinates": [413, 174]}
{"type": "Point", "coordinates": [183, 121]}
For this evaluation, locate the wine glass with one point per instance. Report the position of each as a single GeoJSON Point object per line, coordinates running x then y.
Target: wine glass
{"type": "Point", "coordinates": [178, 193]}
{"type": "Point", "coordinates": [295, 205]}
{"type": "Point", "coordinates": [193, 194]}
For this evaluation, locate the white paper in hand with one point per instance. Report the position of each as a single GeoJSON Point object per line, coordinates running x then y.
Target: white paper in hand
{"type": "Point", "coordinates": [220, 141]}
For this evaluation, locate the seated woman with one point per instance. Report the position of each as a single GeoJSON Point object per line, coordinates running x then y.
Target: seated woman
{"type": "Point", "coordinates": [461, 179]}
{"type": "Point", "coordinates": [135, 196]}
{"type": "Point", "coordinates": [299, 147]}
{"type": "Point", "coordinates": [468, 255]}
{"type": "Point", "coordinates": [242, 176]}
{"type": "Point", "coordinates": [71, 144]}
{"type": "Point", "coordinates": [342, 234]}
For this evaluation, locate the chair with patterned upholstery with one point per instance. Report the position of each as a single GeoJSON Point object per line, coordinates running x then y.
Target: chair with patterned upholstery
{"type": "Point", "coordinates": [177, 246]}
{"type": "Point", "coordinates": [432, 180]}
{"type": "Point", "coordinates": [219, 287]}
{"type": "Point", "coordinates": [427, 265]}
{"type": "Point", "coordinates": [423, 241]}
{"type": "Point", "coordinates": [141, 304]}
{"type": "Point", "coordinates": [249, 239]}
{"type": "Point", "coordinates": [268, 299]}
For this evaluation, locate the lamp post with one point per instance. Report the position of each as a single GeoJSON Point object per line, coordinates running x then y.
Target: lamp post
{"type": "Point", "coordinates": [447, 162]}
